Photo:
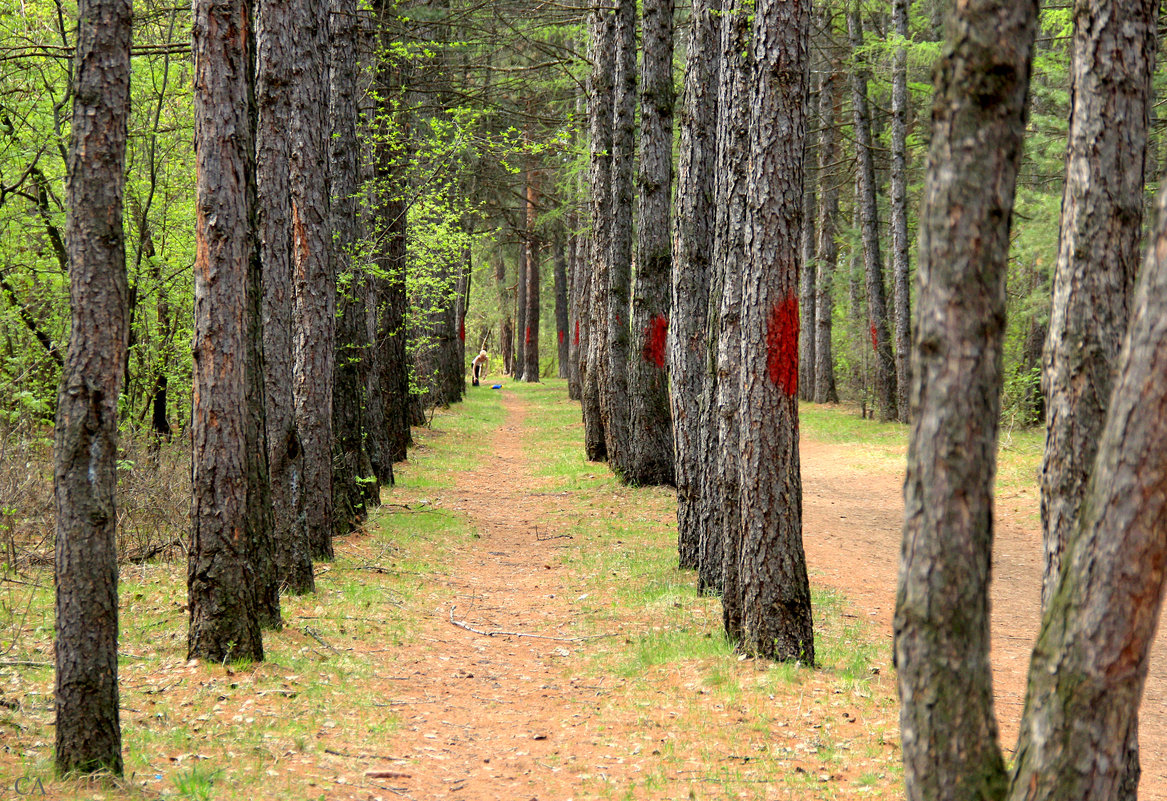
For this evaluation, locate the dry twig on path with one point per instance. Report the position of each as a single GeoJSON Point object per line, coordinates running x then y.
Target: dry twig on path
{"type": "Point", "coordinates": [496, 633]}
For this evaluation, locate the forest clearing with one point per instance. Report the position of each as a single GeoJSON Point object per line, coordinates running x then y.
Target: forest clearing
{"type": "Point", "coordinates": [626, 686]}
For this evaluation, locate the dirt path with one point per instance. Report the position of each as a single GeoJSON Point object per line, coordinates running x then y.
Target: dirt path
{"type": "Point", "coordinates": [489, 714]}
{"type": "Point", "coordinates": [852, 531]}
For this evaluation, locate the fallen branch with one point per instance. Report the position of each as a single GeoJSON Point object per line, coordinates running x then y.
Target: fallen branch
{"type": "Point", "coordinates": [464, 625]}
{"type": "Point", "coordinates": [334, 752]}
{"type": "Point", "coordinates": [551, 537]}
{"type": "Point", "coordinates": [308, 630]}
{"type": "Point", "coordinates": [21, 663]}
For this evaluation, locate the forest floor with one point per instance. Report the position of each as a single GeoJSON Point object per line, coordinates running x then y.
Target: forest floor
{"type": "Point", "coordinates": [511, 626]}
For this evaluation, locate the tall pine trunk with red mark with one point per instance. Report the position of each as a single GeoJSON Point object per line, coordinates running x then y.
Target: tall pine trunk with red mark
{"type": "Point", "coordinates": [651, 429]}
{"type": "Point", "coordinates": [614, 400]}
{"type": "Point", "coordinates": [721, 493]}
{"type": "Point", "coordinates": [88, 730]}
{"type": "Point", "coordinates": [594, 337]}
{"type": "Point", "coordinates": [314, 281]}
{"type": "Point", "coordinates": [885, 375]}
{"type": "Point", "coordinates": [221, 578]}
{"type": "Point", "coordinates": [775, 591]}
{"type": "Point", "coordinates": [941, 623]}
{"type": "Point", "coordinates": [688, 329]}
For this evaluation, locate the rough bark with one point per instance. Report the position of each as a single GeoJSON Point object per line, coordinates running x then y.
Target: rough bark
{"type": "Point", "coordinates": [576, 282]}
{"type": "Point", "coordinates": [352, 472]}
{"type": "Point", "coordinates": [650, 440]}
{"type": "Point", "coordinates": [88, 731]}
{"type": "Point", "coordinates": [314, 299]}
{"type": "Point", "coordinates": [614, 399]}
{"type": "Point", "coordinates": [901, 293]}
{"type": "Point", "coordinates": [274, 77]}
{"type": "Point", "coordinates": [827, 253]}
{"type": "Point", "coordinates": [593, 364]}
{"type": "Point", "coordinates": [559, 255]}
{"type": "Point", "coordinates": [885, 376]}
{"type": "Point", "coordinates": [1090, 663]}
{"type": "Point", "coordinates": [505, 326]}
{"type": "Point", "coordinates": [221, 580]}
{"type": "Point", "coordinates": [688, 349]}
{"type": "Point", "coordinates": [941, 620]}
{"type": "Point", "coordinates": [722, 492]}
{"type": "Point", "coordinates": [1102, 212]}
{"type": "Point", "coordinates": [775, 590]}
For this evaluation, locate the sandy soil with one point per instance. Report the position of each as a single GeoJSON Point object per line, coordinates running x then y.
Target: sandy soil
{"type": "Point", "coordinates": [852, 527]}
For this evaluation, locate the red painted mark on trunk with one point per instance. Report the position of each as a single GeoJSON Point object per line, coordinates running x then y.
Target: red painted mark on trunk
{"type": "Point", "coordinates": [560, 336]}
{"type": "Point", "coordinates": [462, 330]}
{"type": "Point", "coordinates": [527, 337]}
{"type": "Point", "coordinates": [874, 339]}
{"type": "Point", "coordinates": [577, 332]}
{"type": "Point", "coordinates": [655, 335]}
{"type": "Point", "coordinates": [782, 345]}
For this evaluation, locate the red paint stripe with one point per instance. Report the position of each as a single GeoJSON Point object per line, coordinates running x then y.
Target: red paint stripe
{"type": "Point", "coordinates": [874, 339]}
{"type": "Point", "coordinates": [560, 336]}
{"type": "Point", "coordinates": [462, 330]}
{"type": "Point", "coordinates": [577, 332]}
{"type": "Point", "coordinates": [527, 338]}
{"type": "Point", "coordinates": [655, 339]}
{"type": "Point", "coordinates": [782, 345]}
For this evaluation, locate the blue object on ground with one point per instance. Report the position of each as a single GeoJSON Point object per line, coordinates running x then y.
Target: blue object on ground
{"type": "Point", "coordinates": [497, 386]}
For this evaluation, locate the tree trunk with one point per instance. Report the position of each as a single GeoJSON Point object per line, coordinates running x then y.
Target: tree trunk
{"type": "Point", "coordinates": [594, 363]}
{"type": "Point", "coordinates": [221, 579]}
{"type": "Point", "coordinates": [650, 461]}
{"type": "Point", "coordinates": [942, 604]}
{"type": "Point", "coordinates": [559, 255]}
{"type": "Point", "coordinates": [885, 377]}
{"type": "Point", "coordinates": [775, 591]}
{"type": "Point", "coordinates": [88, 731]}
{"type": "Point", "coordinates": [688, 328]}
{"type": "Point", "coordinates": [1090, 663]}
{"type": "Point", "coordinates": [899, 208]}
{"type": "Point", "coordinates": [807, 299]}
{"type": "Point", "coordinates": [1112, 64]}
{"type": "Point", "coordinates": [505, 326]}
{"type": "Point", "coordinates": [577, 286]}
{"type": "Point", "coordinates": [274, 80]}
{"type": "Point", "coordinates": [614, 400]}
{"type": "Point", "coordinates": [314, 300]}
{"type": "Point", "coordinates": [522, 285]}
{"type": "Point", "coordinates": [534, 286]}
{"type": "Point", "coordinates": [351, 468]}
{"type": "Point", "coordinates": [389, 286]}
{"type": "Point", "coordinates": [723, 490]}
{"type": "Point", "coordinates": [827, 256]}
{"type": "Point", "coordinates": [1102, 213]}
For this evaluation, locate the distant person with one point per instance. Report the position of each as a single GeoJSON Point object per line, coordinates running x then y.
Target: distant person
{"type": "Point", "coordinates": [479, 366]}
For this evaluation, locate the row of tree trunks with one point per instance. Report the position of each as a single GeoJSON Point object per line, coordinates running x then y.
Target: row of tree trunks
{"type": "Point", "coordinates": [650, 458]}
{"type": "Point", "coordinates": [901, 294]}
{"type": "Point", "coordinates": [577, 273]}
{"type": "Point", "coordinates": [688, 328]}
{"type": "Point", "coordinates": [885, 376]}
{"type": "Point", "coordinates": [561, 261]}
{"type": "Point", "coordinates": [88, 731]}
